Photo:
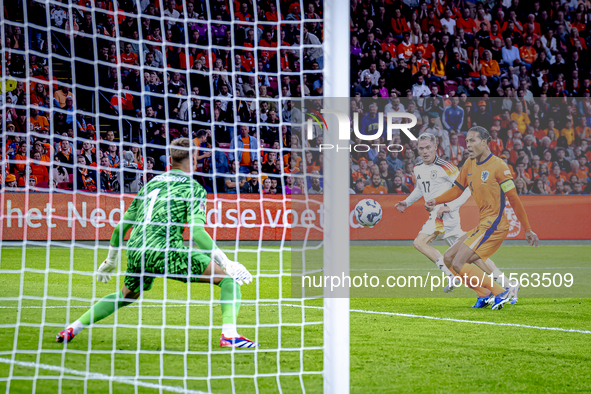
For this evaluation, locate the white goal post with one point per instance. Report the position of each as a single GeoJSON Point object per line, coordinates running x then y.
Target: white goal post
{"type": "Point", "coordinates": [336, 202]}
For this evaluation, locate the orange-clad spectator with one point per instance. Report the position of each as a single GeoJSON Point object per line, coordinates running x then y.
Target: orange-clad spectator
{"type": "Point", "coordinates": [405, 49]}
{"type": "Point", "coordinates": [512, 25]}
{"type": "Point", "coordinates": [520, 117]}
{"type": "Point", "coordinates": [495, 33]}
{"type": "Point", "coordinates": [125, 101]}
{"type": "Point", "coordinates": [38, 95]}
{"type": "Point", "coordinates": [293, 167]}
{"type": "Point", "coordinates": [247, 61]}
{"type": "Point", "coordinates": [186, 62]}
{"type": "Point", "coordinates": [551, 130]}
{"type": "Point", "coordinates": [128, 57]}
{"type": "Point", "coordinates": [506, 160]}
{"type": "Point", "coordinates": [559, 86]}
{"type": "Point", "coordinates": [555, 176]}
{"type": "Point", "coordinates": [576, 39]}
{"type": "Point", "coordinates": [421, 60]}
{"type": "Point", "coordinates": [44, 77]}
{"type": "Point", "coordinates": [311, 165]}
{"type": "Point", "coordinates": [431, 19]}
{"type": "Point", "coordinates": [294, 10]}
{"type": "Point", "coordinates": [204, 54]}
{"type": "Point", "coordinates": [527, 52]}
{"type": "Point", "coordinates": [513, 146]}
{"type": "Point", "coordinates": [547, 162]}
{"type": "Point", "coordinates": [539, 132]}
{"type": "Point", "coordinates": [535, 166]}
{"type": "Point", "coordinates": [568, 132]}
{"type": "Point", "coordinates": [398, 187]}
{"type": "Point", "coordinates": [582, 130]}
{"type": "Point", "coordinates": [10, 181]}
{"type": "Point", "coordinates": [438, 64]}
{"type": "Point", "coordinates": [38, 122]}
{"type": "Point", "coordinates": [375, 187]}
{"type": "Point", "coordinates": [399, 25]}
{"type": "Point", "coordinates": [267, 41]}
{"type": "Point", "coordinates": [531, 20]}
{"type": "Point", "coordinates": [156, 35]}
{"type": "Point", "coordinates": [38, 169]}
{"type": "Point", "coordinates": [287, 158]}
{"type": "Point", "coordinates": [22, 157]}
{"type": "Point", "coordinates": [31, 178]}
{"type": "Point", "coordinates": [521, 172]}
{"type": "Point", "coordinates": [362, 172]}
{"type": "Point", "coordinates": [575, 169]}
{"type": "Point", "coordinates": [467, 23]}
{"type": "Point", "coordinates": [489, 66]}
{"type": "Point", "coordinates": [474, 64]}
{"type": "Point", "coordinates": [389, 45]}
{"type": "Point", "coordinates": [409, 177]}
{"type": "Point", "coordinates": [456, 151]}
{"type": "Point", "coordinates": [578, 23]}
{"type": "Point", "coordinates": [311, 12]}
{"type": "Point", "coordinates": [243, 14]}
{"type": "Point", "coordinates": [45, 151]}
{"type": "Point", "coordinates": [481, 18]}
{"type": "Point", "coordinates": [496, 144]}
{"type": "Point", "coordinates": [271, 15]}
{"type": "Point", "coordinates": [61, 95]}
{"type": "Point", "coordinates": [427, 48]}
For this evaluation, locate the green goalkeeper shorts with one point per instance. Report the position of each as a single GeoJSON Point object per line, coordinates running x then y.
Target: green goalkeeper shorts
{"type": "Point", "coordinates": [179, 264]}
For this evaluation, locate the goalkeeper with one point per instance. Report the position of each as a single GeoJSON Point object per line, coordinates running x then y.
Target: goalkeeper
{"type": "Point", "coordinates": [155, 248]}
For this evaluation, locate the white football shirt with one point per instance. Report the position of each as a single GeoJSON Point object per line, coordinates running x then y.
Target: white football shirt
{"type": "Point", "coordinates": [433, 180]}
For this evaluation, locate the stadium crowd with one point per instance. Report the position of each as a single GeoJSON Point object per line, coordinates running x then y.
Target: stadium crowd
{"type": "Point", "coordinates": [517, 68]}
{"type": "Point", "coordinates": [207, 72]}
{"type": "Point", "coordinates": [231, 76]}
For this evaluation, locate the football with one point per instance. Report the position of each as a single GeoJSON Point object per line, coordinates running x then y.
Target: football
{"type": "Point", "coordinates": [368, 212]}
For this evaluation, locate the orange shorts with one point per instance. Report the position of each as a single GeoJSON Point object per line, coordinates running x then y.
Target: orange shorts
{"type": "Point", "coordinates": [485, 241]}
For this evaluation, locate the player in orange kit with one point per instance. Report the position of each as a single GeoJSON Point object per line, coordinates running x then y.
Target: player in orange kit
{"type": "Point", "coordinates": [490, 181]}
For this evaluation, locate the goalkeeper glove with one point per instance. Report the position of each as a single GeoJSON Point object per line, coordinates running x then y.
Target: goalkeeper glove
{"type": "Point", "coordinates": [108, 266]}
{"type": "Point", "coordinates": [233, 269]}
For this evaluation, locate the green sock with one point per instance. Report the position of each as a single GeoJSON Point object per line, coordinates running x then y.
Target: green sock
{"type": "Point", "coordinates": [104, 308]}
{"type": "Point", "coordinates": [231, 295]}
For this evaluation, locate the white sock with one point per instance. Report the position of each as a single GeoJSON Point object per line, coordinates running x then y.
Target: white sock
{"type": "Point", "coordinates": [77, 326]}
{"type": "Point", "coordinates": [441, 265]}
{"type": "Point", "coordinates": [229, 331]}
{"type": "Point", "coordinates": [500, 277]}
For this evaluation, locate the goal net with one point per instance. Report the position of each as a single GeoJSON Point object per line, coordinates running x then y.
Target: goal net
{"type": "Point", "coordinates": [93, 94]}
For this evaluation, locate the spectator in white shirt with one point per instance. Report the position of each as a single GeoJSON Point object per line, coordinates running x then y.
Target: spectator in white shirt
{"type": "Point", "coordinates": [510, 54]}
{"type": "Point", "coordinates": [373, 73]}
{"type": "Point", "coordinates": [170, 14]}
{"type": "Point", "coordinates": [450, 23]}
{"type": "Point", "coordinates": [420, 90]}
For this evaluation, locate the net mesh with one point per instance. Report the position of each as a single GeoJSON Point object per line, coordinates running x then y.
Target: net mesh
{"type": "Point", "coordinates": [93, 93]}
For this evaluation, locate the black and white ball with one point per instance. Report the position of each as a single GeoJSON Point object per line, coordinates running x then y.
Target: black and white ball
{"type": "Point", "coordinates": [368, 212]}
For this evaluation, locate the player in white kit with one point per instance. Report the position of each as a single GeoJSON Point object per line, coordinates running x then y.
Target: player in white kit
{"type": "Point", "coordinates": [435, 176]}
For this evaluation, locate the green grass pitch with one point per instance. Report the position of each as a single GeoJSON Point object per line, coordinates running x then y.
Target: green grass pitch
{"type": "Point", "coordinates": [389, 353]}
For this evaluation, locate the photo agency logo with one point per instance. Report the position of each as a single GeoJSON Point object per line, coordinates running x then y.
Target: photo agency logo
{"type": "Point", "coordinates": [392, 122]}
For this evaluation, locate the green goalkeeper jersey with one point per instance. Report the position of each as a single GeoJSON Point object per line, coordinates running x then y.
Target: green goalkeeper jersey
{"type": "Point", "coordinates": [162, 208]}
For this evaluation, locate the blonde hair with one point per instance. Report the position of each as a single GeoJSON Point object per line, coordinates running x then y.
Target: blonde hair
{"type": "Point", "coordinates": [180, 155]}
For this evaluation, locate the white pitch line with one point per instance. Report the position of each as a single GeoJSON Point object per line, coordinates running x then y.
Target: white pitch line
{"type": "Point", "coordinates": [459, 320]}
{"type": "Point", "coordinates": [474, 321]}
{"type": "Point", "coordinates": [352, 310]}
{"type": "Point", "coordinates": [99, 376]}
{"type": "Point", "coordinates": [436, 269]}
